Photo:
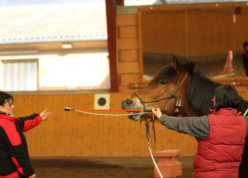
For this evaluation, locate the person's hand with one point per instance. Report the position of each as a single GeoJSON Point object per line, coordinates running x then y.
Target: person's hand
{"type": "Point", "coordinates": [157, 113]}
{"type": "Point", "coordinates": [32, 176]}
{"type": "Point", "coordinates": [44, 115]}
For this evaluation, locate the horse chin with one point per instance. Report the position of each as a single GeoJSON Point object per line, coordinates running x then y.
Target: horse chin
{"type": "Point", "coordinates": [134, 117]}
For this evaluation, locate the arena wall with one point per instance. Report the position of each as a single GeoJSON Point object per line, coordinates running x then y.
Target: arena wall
{"type": "Point", "coordinates": [74, 134]}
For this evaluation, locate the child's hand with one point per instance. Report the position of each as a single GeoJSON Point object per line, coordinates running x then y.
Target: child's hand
{"type": "Point", "coordinates": [44, 115]}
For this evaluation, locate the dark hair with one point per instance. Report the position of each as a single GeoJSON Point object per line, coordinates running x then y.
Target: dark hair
{"type": "Point", "coordinates": [5, 97]}
{"type": "Point", "coordinates": [245, 44]}
{"type": "Point", "coordinates": [226, 96]}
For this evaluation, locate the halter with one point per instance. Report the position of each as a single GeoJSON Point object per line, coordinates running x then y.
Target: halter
{"type": "Point", "coordinates": [172, 95]}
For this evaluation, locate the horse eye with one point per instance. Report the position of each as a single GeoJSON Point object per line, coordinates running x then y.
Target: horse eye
{"type": "Point", "coordinates": [163, 82]}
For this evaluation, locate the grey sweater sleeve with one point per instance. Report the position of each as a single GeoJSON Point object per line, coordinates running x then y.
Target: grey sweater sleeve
{"type": "Point", "coordinates": [195, 126]}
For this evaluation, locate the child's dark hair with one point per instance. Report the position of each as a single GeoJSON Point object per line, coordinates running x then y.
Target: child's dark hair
{"type": "Point", "coordinates": [5, 97]}
{"type": "Point", "coordinates": [245, 44]}
{"type": "Point", "coordinates": [226, 96]}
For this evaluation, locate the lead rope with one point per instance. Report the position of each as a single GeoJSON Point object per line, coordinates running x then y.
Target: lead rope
{"type": "Point", "coordinates": [173, 94]}
{"type": "Point", "coordinates": [245, 112]}
{"type": "Point", "coordinates": [147, 131]}
{"type": "Point", "coordinates": [148, 135]}
{"type": "Point", "coordinates": [150, 147]}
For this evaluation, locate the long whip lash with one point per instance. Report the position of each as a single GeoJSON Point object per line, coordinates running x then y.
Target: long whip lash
{"type": "Point", "coordinates": [136, 111]}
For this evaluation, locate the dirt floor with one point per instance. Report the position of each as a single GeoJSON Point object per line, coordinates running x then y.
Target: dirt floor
{"type": "Point", "coordinates": [141, 167]}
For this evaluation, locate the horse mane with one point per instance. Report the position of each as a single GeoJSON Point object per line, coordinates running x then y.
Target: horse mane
{"type": "Point", "coordinates": [200, 92]}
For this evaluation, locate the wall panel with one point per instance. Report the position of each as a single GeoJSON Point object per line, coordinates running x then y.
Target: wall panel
{"type": "Point", "coordinates": [73, 134]}
{"type": "Point", "coordinates": [70, 134]}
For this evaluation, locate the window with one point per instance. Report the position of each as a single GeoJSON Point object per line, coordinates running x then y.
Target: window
{"type": "Point", "coordinates": [20, 75]}
{"type": "Point", "coordinates": [74, 71]}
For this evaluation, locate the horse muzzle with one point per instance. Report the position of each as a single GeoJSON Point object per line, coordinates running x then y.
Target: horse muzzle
{"type": "Point", "coordinates": [132, 104]}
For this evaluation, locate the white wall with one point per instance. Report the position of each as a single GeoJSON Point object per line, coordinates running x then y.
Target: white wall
{"type": "Point", "coordinates": [68, 72]}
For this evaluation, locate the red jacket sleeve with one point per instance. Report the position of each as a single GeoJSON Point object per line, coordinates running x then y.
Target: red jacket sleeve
{"type": "Point", "coordinates": [29, 122]}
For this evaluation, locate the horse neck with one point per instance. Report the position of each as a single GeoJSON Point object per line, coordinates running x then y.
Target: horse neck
{"type": "Point", "coordinates": [186, 109]}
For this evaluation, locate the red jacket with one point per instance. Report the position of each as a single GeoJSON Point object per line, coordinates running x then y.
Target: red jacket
{"type": "Point", "coordinates": [14, 158]}
{"type": "Point", "coordinates": [220, 155]}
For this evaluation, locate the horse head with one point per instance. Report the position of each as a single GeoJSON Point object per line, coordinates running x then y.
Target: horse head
{"type": "Point", "coordinates": [166, 91]}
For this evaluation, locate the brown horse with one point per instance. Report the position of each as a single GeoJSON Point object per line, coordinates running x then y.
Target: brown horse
{"type": "Point", "coordinates": [180, 90]}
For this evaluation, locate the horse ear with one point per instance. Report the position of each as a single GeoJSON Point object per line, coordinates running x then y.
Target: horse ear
{"type": "Point", "coordinates": [176, 64]}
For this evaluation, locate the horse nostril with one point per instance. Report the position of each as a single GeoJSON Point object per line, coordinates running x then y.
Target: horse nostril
{"type": "Point", "coordinates": [129, 101]}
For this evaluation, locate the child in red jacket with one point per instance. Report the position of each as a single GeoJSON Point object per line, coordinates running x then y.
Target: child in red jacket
{"type": "Point", "coordinates": [14, 157]}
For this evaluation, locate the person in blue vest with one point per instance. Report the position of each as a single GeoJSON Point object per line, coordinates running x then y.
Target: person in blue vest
{"type": "Point", "coordinates": [221, 135]}
{"type": "Point", "coordinates": [14, 157]}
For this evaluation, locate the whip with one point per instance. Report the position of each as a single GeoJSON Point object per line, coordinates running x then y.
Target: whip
{"type": "Point", "coordinates": [92, 111]}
